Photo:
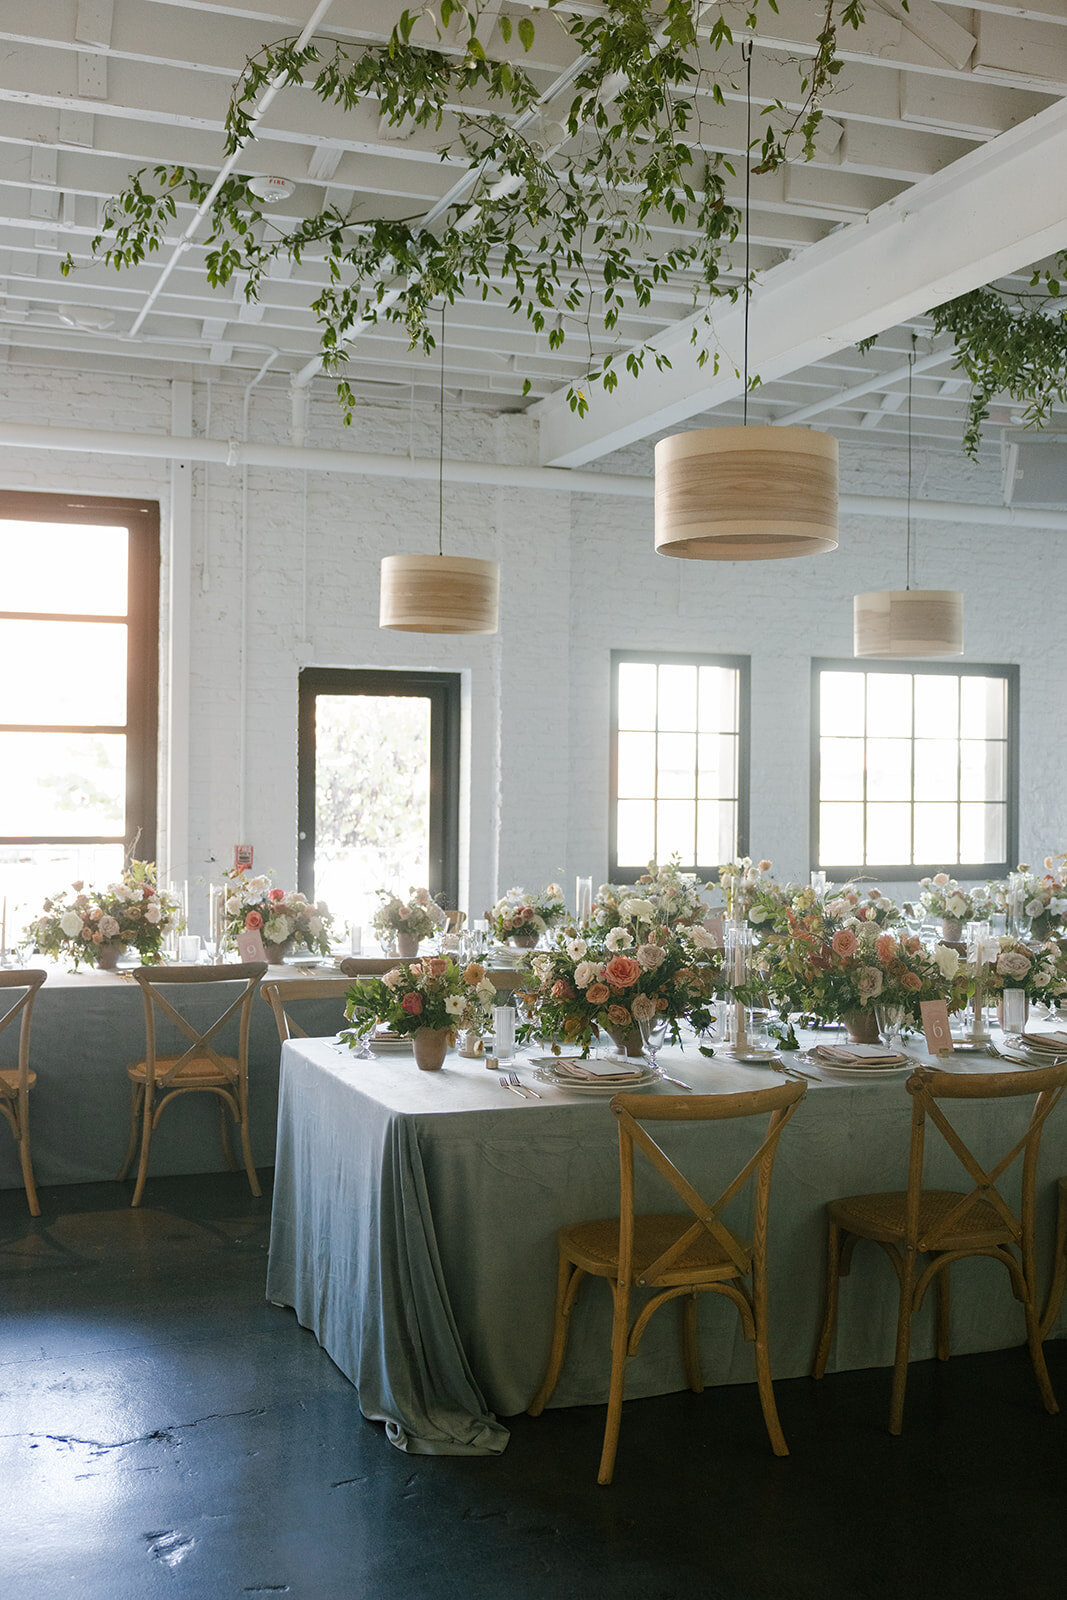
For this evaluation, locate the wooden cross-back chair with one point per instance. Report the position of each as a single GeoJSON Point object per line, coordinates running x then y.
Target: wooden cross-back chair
{"type": "Point", "coordinates": [677, 1256]}
{"type": "Point", "coordinates": [158, 1080]}
{"type": "Point", "coordinates": [280, 995]}
{"type": "Point", "coordinates": [1059, 1270]}
{"type": "Point", "coordinates": [948, 1225]}
{"type": "Point", "coordinates": [16, 1082]}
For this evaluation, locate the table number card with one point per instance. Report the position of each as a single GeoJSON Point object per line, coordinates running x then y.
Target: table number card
{"type": "Point", "coordinates": [250, 945]}
{"type": "Point", "coordinates": [936, 1028]}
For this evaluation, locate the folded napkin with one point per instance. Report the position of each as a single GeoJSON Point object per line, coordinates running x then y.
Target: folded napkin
{"type": "Point", "coordinates": [858, 1055]}
{"type": "Point", "coordinates": [1049, 1044]}
{"type": "Point", "coordinates": [586, 1072]}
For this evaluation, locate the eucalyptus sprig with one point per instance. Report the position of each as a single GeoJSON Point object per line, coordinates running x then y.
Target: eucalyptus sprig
{"type": "Point", "coordinates": [550, 188]}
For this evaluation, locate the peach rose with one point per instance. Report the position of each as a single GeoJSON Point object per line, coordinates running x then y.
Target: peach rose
{"type": "Point", "coordinates": [562, 990]}
{"type": "Point", "coordinates": [253, 920]}
{"type": "Point", "coordinates": [621, 972]}
{"type": "Point", "coordinates": [597, 993]}
{"type": "Point", "coordinates": [885, 946]}
{"type": "Point", "coordinates": [434, 967]}
{"type": "Point", "coordinates": [474, 973]}
{"type": "Point", "coordinates": [619, 1017]}
{"type": "Point", "coordinates": [845, 943]}
{"type": "Point", "coordinates": [911, 980]}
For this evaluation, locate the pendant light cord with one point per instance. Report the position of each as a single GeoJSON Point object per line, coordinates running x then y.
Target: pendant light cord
{"type": "Point", "coordinates": [911, 376]}
{"type": "Point", "coordinates": [441, 451]}
{"type": "Point", "coordinates": [746, 53]}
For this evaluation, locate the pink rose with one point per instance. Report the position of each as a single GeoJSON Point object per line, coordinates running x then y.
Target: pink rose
{"type": "Point", "coordinates": [562, 990]}
{"type": "Point", "coordinates": [277, 894]}
{"type": "Point", "coordinates": [412, 1004]}
{"type": "Point", "coordinates": [253, 920]}
{"type": "Point", "coordinates": [845, 943]}
{"type": "Point", "coordinates": [621, 972]}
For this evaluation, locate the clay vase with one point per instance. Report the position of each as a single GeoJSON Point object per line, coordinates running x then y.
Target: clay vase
{"type": "Point", "coordinates": [276, 953]}
{"type": "Point", "coordinates": [862, 1026]}
{"type": "Point", "coordinates": [951, 930]}
{"type": "Point", "coordinates": [523, 941]}
{"type": "Point", "coordinates": [627, 1044]}
{"type": "Point", "coordinates": [107, 956]}
{"type": "Point", "coordinates": [431, 1047]}
{"type": "Point", "coordinates": [407, 944]}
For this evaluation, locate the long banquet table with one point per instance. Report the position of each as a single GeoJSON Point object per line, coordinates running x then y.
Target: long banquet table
{"type": "Point", "coordinates": [415, 1213]}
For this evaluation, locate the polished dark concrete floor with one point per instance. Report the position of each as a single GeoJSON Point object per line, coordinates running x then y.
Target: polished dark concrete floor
{"type": "Point", "coordinates": [164, 1432]}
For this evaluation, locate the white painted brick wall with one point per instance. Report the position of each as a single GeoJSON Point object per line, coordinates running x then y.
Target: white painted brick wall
{"type": "Point", "coordinates": [579, 579]}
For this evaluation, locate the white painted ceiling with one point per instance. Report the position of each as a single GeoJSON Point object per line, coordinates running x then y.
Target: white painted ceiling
{"type": "Point", "coordinates": [90, 90]}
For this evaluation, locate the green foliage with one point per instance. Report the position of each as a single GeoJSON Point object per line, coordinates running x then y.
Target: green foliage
{"type": "Point", "coordinates": [527, 223]}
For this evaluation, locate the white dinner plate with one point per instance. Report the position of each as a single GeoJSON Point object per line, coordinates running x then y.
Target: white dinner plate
{"type": "Point", "coordinates": [647, 1080]}
{"type": "Point", "coordinates": [858, 1067]}
{"type": "Point", "coordinates": [753, 1058]}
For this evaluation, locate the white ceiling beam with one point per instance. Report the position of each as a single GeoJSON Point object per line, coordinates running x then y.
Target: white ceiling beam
{"type": "Point", "coordinates": [995, 210]}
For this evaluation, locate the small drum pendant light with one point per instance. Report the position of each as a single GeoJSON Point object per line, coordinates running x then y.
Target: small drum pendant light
{"type": "Point", "coordinates": [905, 623]}
{"type": "Point", "coordinates": [439, 593]}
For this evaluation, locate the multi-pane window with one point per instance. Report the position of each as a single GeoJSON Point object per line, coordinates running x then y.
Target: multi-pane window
{"type": "Point", "coordinates": [914, 769]}
{"type": "Point", "coordinates": [78, 685]}
{"type": "Point", "coordinates": [678, 788]}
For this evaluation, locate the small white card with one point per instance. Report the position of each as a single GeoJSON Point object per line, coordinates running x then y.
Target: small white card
{"type": "Point", "coordinates": [935, 1026]}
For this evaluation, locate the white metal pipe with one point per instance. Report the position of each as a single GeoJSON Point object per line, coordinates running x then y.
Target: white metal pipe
{"type": "Point", "coordinates": [552, 480]}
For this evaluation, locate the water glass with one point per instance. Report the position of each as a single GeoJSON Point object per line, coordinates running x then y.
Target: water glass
{"type": "Point", "coordinates": [503, 1032]}
{"type": "Point", "coordinates": [188, 948]}
{"type": "Point", "coordinates": [1014, 1010]}
{"type": "Point", "coordinates": [355, 939]}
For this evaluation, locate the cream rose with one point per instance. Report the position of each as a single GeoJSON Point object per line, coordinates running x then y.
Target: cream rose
{"type": "Point", "coordinates": [584, 974]}
{"type": "Point", "coordinates": [651, 956]}
{"type": "Point", "coordinates": [71, 924]}
{"type": "Point", "coordinates": [619, 939]}
{"type": "Point", "coordinates": [948, 961]}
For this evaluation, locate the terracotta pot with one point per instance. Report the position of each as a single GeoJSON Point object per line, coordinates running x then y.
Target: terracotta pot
{"type": "Point", "coordinates": [107, 956]}
{"type": "Point", "coordinates": [276, 953]}
{"type": "Point", "coordinates": [951, 930]}
{"type": "Point", "coordinates": [431, 1047]}
{"type": "Point", "coordinates": [407, 945]}
{"type": "Point", "coordinates": [523, 941]}
{"type": "Point", "coordinates": [627, 1044]}
{"type": "Point", "coordinates": [862, 1026]}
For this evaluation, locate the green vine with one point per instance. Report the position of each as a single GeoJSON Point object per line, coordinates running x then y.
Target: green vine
{"type": "Point", "coordinates": [529, 222]}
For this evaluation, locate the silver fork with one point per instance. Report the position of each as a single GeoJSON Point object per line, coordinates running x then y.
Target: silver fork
{"type": "Point", "coordinates": [524, 1088]}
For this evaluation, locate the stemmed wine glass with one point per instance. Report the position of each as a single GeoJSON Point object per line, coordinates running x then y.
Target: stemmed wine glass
{"type": "Point", "coordinates": [361, 1030]}
{"type": "Point", "coordinates": [653, 1034]}
{"type": "Point", "coordinates": [891, 1021]}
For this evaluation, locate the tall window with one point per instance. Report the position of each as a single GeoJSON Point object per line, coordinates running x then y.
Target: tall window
{"type": "Point", "coordinates": [79, 629]}
{"type": "Point", "coordinates": [378, 786]}
{"type": "Point", "coordinates": [679, 761]}
{"type": "Point", "coordinates": [914, 768]}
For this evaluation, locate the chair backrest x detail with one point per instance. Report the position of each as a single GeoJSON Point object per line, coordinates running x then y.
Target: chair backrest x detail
{"type": "Point", "coordinates": [927, 1088]}
{"type": "Point", "coordinates": [634, 1110]}
{"type": "Point", "coordinates": [30, 979]}
{"type": "Point", "coordinates": [153, 979]}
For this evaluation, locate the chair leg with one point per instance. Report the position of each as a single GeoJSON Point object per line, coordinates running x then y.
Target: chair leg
{"type": "Point", "coordinates": [224, 1138]}
{"type": "Point", "coordinates": [1059, 1274]}
{"type": "Point", "coordinates": [1037, 1355]}
{"type": "Point", "coordinates": [568, 1280]}
{"type": "Point", "coordinates": [763, 1361]}
{"type": "Point", "coordinates": [620, 1337]}
{"type": "Point", "coordinates": [903, 1350]}
{"type": "Point", "coordinates": [136, 1091]}
{"type": "Point", "coordinates": [944, 1315]}
{"type": "Point", "coordinates": [27, 1164]}
{"type": "Point", "coordinates": [246, 1151]}
{"type": "Point", "coordinates": [829, 1321]}
{"type": "Point", "coordinates": [146, 1145]}
{"type": "Point", "coordinates": [690, 1347]}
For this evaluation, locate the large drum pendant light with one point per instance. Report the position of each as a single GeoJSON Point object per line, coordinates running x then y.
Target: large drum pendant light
{"type": "Point", "coordinates": [439, 593]}
{"type": "Point", "coordinates": [906, 623]}
{"type": "Point", "coordinates": [746, 494]}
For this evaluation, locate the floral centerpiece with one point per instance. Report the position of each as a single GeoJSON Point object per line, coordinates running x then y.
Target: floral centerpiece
{"type": "Point", "coordinates": [1040, 974]}
{"type": "Point", "coordinates": [870, 906]}
{"type": "Point", "coordinates": [943, 898]}
{"type": "Point", "coordinates": [401, 924]}
{"type": "Point", "coordinates": [1044, 898]}
{"type": "Point", "coordinates": [741, 882]}
{"type": "Point", "coordinates": [770, 901]}
{"type": "Point", "coordinates": [95, 926]}
{"type": "Point", "coordinates": [610, 981]}
{"type": "Point", "coordinates": [674, 895]}
{"type": "Point", "coordinates": [429, 1000]}
{"type": "Point", "coordinates": [522, 918]}
{"type": "Point", "coordinates": [284, 918]}
{"type": "Point", "coordinates": [851, 969]}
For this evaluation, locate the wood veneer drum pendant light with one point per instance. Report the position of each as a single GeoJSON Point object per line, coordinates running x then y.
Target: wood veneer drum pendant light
{"type": "Point", "coordinates": [904, 623]}
{"type": "Point", "coordinates": [439, 594]}
{"type": "Point", "coordinates": [746, 494]}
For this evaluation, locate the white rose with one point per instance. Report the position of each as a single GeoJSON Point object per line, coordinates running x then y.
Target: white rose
{"type": "Point", "coordinates": [955, 905]}
{"type": "Point", "coordinates": [486, 992]}
{"type": "Point", "coordinates": [394, 977]}
{"type": "Point", "coordinates": [639, 909]}
{"type": "Point", "coordinates": [108, 927]}
{"type": "Point", "coordinates": [576, 948]}
{"type": "Point", "coordinates": [233, 905]}
{"type": "Point", "coordinates": [152, 912]}
{"type": "Point", "coordinates": [940, 879]}
{"type": "Point", "coordinates": [703, 938]}
{"type": "Point", "coordinates": [314, 926]}
{"type": "Point", "coordinates": [454, 1004]}
{"type": "Point", "coordinates": [71, 924]}
{"type": "Point", "coordinates": [1034, 908]}
{"type": "Point", "coordinates": [948, 961]}
{"type": "Point", "coordinates": [756, 916]}
{"type": "Point", "coordinates": [542, 965]}
{"type": "Point", "coordinates": [584, 973]}
{"type": "Point", "coordinates": [838, 908]}
{"type": "Point", "coordinates": [276, 930]}
{"type": "Point", "coordinates": [619, 939]}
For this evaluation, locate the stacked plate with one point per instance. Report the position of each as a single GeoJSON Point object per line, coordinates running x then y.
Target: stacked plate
{"type": "Point", "coordinates": [611, 1075]}
{"type": "Point", "coordinates": [1035, 1049]}
{"type": "Point", "coordinates": [867, 1058]}
{"type": "Point", "coordinates": [384, 1042]}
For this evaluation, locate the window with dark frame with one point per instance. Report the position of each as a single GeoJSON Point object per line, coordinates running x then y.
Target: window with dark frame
{"type": "Point", "coordinates": [378, 785]}
{"type": "Point", "coordinates": [914, 769]}
{"type": "Point", "coordinates": [79, 675]}
{"type": "Point", "coordinates": [679, 761]}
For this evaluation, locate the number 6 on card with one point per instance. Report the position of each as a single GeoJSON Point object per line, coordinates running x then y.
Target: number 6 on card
{"type": "Point", "coordinates": [935, 1026]}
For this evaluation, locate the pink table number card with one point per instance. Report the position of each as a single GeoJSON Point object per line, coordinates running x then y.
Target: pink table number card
{"type": "Point", "coordinates": [936, 1028]}
{"type": "Point", "coordinates": [250, 945]}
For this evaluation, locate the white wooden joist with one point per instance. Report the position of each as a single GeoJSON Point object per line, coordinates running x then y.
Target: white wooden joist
{"type": "Point", "coordinates": [993, 211]}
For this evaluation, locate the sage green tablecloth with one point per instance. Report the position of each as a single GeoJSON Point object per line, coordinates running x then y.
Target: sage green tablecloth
{"type": "Point", "coordinates": [415, 1213]}
{"type": "Point", "coordinates": [86, 1027]}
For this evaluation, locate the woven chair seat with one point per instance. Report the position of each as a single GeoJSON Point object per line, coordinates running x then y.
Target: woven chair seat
{"type": "Point", "coordinates": [883, 1216]}
{"type": "Point", "coordinates": [198, 1069]}
{"type": "Point", "coordinates": [9, 1080]}
{"type": "Point", "coordinates": [594, 1246]}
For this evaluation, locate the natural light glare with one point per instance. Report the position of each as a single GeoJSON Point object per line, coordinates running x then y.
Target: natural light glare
{"type": "Point", "coordinates": [64, 567]}
{"type": "Point", "coordinates": [63, 672]}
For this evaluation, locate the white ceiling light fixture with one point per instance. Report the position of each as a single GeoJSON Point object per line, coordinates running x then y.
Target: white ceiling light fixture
{"type": "Point", "coordinates": [907, 623]}
{"type": "Point", "coordinates": [439, 594]}
{"type": "Point", "coordinates": [86, 318]}
{"type": "Point", "coordinates": [271, 190]}
{"type": "Point", "coordinates": [746, 494]}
